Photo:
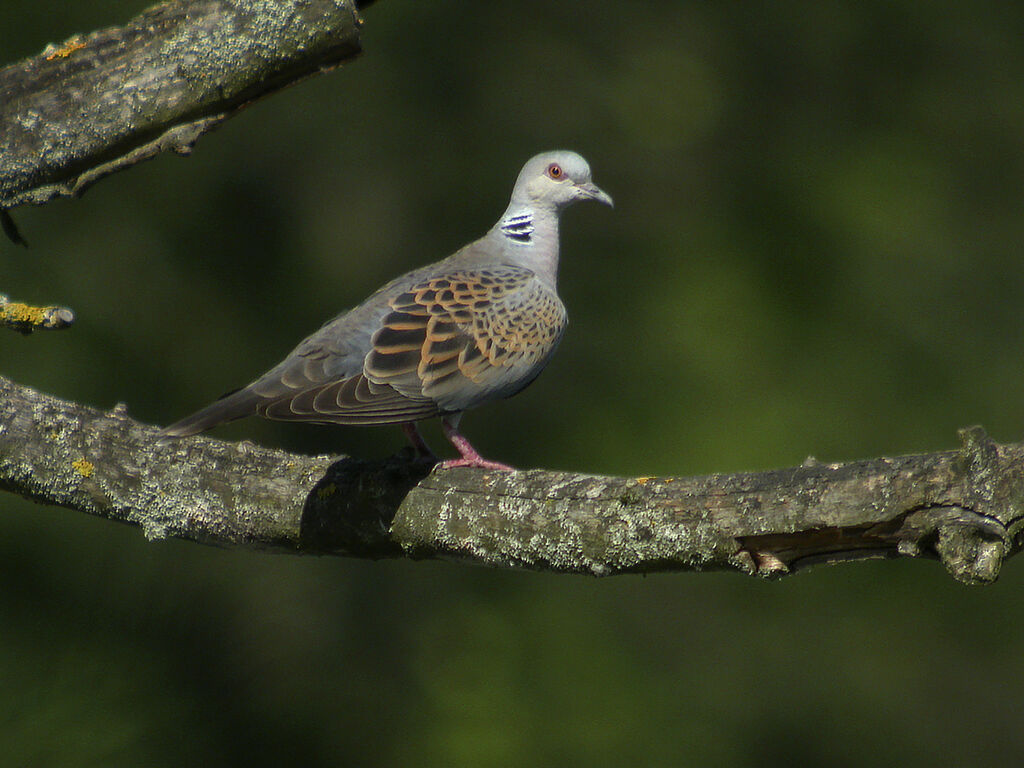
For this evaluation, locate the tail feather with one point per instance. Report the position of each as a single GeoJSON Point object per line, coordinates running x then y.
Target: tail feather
{"type": "Point", "coordinates": [234, 405]}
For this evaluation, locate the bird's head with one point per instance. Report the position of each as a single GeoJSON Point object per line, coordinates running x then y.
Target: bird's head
{"type": "Point", "coordinates": [556, 179]}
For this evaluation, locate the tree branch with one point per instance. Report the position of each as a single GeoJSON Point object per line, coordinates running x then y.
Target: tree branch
{"type": "Point", "coordinates": [103, 102]}
{"type": "Point", "coordinates": [966, 507]}
{"type": "Point", "coordinates": [26, 318]}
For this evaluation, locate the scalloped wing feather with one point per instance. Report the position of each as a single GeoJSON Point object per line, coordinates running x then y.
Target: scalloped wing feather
{"type": "Point", "coordinates": [446, 344]}
{"type": "Point", "coordinates": [467, 337]}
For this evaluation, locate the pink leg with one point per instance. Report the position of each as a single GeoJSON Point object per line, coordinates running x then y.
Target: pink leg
{"type": "Point", "coordinates": [413, 433]}
{"type": "Point", "coordinates": [470, 458]}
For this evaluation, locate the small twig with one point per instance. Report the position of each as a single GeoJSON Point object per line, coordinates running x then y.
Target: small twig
{"type": "Point", "coordinates": [25, 318]}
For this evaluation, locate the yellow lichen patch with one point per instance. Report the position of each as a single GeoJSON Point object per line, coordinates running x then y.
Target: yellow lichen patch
{"type": "Point", "coordinates": [16, 312]}
{"type": "Point", "coordinates": [83, 467]}
{"type": "Point", "coordinates": [64, 50]}
{"type": "Point", "coordinates": [327, 490]}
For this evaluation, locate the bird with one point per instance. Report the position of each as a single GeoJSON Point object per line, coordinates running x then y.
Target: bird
{"type": "Point", "coordinates": [474, 327]}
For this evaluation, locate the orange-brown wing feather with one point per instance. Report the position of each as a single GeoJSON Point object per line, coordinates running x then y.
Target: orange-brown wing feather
{"type": "Point", "coordinates": [446, 344]}
{"type": "Point", "coordinates": [466, 337]}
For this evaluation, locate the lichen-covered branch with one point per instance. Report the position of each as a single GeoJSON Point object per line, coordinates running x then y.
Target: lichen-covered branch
{"type": "Point", "coordinates": [966, 507]}
{"type": "Point", "coordinates": [26, 318]}
{"type": "Point", "coordinates": [101, 102]}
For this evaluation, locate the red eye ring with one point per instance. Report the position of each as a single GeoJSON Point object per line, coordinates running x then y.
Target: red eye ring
{"type": "Point", "coordinates": [555, 171]}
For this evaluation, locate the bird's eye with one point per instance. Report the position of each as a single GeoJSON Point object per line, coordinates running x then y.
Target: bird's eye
{"type": "Point", "coordinates": [555, 171]}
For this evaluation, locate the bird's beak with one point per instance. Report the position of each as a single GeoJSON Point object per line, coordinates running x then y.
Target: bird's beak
{"type": "Point", "coordinates": [591, 191]}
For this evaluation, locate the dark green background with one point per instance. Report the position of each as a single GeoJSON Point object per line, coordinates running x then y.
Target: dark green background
{"type": "Point", "coordinates": [816, 249]}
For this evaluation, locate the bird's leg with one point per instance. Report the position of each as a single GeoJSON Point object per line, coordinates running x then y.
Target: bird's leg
{"type": "Point", "coordinates": [470, 458]}
{"type": "Point", "coordinates": [418, 443]}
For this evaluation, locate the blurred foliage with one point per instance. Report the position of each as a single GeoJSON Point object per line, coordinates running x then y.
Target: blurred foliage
{"type": "Point", "coordinates": [815, 250]}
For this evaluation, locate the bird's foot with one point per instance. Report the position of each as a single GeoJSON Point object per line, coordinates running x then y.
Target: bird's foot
{"type": "Point", "coordinates": [476, 461]}
{"type": "Point", "coordinates": [468, 455]}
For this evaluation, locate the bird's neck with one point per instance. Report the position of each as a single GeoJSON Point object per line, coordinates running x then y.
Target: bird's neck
{"type": "Point", "coordinates": [530, 238]}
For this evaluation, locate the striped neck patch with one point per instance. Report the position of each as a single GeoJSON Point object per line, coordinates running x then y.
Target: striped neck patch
{"type": "Point", "coordinates": [519, 228]}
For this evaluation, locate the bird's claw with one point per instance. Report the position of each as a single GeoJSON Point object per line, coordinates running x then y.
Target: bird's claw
{"type": "Point", "coordinates": [476, 462]}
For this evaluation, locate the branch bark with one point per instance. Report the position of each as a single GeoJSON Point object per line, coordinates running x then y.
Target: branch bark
{"type": "Point", "coordinates": [26, 318]}
{"type": "Point", "coordinates": [103, 102]}
{"type": "Point", "coordinates": [965, 507]}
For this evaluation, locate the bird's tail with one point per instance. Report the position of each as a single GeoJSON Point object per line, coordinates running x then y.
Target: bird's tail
{"type": "Point", "coordinates": [234, 405]}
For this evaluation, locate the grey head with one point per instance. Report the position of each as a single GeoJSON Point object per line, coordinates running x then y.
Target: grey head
{"type": "Point", "coordinates": [554, 180]}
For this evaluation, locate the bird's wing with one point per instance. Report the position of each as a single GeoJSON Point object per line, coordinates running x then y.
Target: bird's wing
{"type": "Point", "coordinates": [467, 336]}
{"type": "Point", "coordinates": [448, 343]}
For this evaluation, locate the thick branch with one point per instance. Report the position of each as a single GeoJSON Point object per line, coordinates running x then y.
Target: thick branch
{"type": "Point", "coordinates": [963, 506]}
{"type": "Point", "coordinates": [99, 103]}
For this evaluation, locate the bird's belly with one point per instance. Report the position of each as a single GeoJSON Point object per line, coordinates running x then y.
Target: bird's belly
{"type": "Point", "coordinates": [514, 380]}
